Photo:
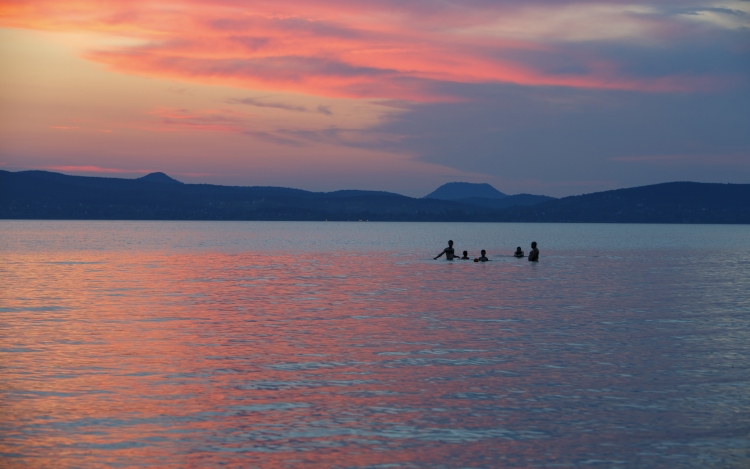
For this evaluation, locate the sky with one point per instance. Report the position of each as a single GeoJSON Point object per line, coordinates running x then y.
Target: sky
{"type": "Point", "coordinates": [551, 97]}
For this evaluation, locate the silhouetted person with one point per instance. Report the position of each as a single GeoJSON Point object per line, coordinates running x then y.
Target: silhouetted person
{"type": "Point", "coordinates": [519, 252]}
{"type": "Point", "coordinates": [449, 252]}
{"type": "Point", "coordinates": [482, 258]}
{"type": "Point", "coordinates": [534, 253]}
{"type": "Point", "coordinates": [466, 256]}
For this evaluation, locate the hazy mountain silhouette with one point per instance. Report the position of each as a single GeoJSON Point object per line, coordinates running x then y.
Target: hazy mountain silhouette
{"type": "Point", "coordinates": [47, 195]}
{"type": "Point", "coordinates": [673, 202]}
{"type": "Point", "coordinates": [159, 177]}
{"type": "Point", "coordinates": [464, 190]}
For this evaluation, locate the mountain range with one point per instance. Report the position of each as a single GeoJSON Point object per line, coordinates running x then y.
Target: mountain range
{"type": "Point", "coordinates": [156, 196]}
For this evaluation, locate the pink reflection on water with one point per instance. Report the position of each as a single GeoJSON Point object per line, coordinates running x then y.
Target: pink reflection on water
{"type": "Point", "coordinates": [333, 360]}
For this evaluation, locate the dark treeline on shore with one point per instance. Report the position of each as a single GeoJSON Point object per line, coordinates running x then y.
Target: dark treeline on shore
{"type": "Point", "coordinates": [48, 195]}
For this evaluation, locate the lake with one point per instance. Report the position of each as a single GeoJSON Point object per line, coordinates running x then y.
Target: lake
{"type": "Point", "coordinates": [344, 345]}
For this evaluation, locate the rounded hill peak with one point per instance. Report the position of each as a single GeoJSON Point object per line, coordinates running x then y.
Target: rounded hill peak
{"type": "Point", "coordinates": [465, 190]}
{"type": "Point", "coordinates": [159, 177]}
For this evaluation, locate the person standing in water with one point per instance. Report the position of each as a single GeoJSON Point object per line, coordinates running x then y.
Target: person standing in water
{"type": "Point", "coordinates": [483, 258]}
{"type": "Point", "coordinates": [449, 252]}
{"type": "Point", "coordinates": [466, 256]}
{"type": "Point", "coordinates": [519, 252]}
{"type": "Point", "coordinates": [534, 253]}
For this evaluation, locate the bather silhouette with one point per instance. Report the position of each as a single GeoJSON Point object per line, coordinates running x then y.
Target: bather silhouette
{"type": "Point", "coordinates": [482, 258]}
{"type": "Point", "coordinates": [534, 253]}
{"type": "Point", "coordinates": [449, 252]}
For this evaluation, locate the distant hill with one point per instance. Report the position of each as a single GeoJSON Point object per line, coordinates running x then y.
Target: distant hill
{"type": "Point", "coordinates": [47, 195]}
{"type": "Point", "coordinates": [483, 195]}
{"type": "Point", "coordinates": [464, 190]}
{"type": "Point", "coordinates": [673, 202]}
{"type": "Point", "coordinates": [159, 177]}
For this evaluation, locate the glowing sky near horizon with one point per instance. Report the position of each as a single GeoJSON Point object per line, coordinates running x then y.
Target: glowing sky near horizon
{"type": "Point", "coordinates": [552, 97]}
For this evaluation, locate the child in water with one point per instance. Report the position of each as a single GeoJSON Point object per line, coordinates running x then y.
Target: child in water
{"type": "Point", "coordinates": [483, 258]}
{"type": "Point", "coordinates": [519, 252]}
{"type": "Point", "coordinates": [466, 256]}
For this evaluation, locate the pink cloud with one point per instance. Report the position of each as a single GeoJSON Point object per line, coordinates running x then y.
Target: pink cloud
{"type": "Point", "coordinates": [90, 169]}
{"type": "Point", "coordinates": [94, 169]}
{"type": "Point", "coordinates": [380, 50]}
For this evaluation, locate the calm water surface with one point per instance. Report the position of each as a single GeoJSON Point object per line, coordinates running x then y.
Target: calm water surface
{"type": "Point", "coordinates": [274, 345]}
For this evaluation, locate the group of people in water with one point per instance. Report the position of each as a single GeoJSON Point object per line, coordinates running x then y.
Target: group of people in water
{"type": "Point", "coordinates": [450, 254]}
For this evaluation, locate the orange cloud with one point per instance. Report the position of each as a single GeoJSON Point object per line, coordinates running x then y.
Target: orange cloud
{"type": "Point", "coordinates": [347, 49]}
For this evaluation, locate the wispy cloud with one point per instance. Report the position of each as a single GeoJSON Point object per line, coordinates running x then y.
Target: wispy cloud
{"type": "Point", "coordinates": [94, 169]}
{"type": "Point", "coordinates": [257, 102]}
{"type": "Point", "coordinates": [274, 137]}
{"type": "Point", "coordinates": [260, 102]}
{"type": "Point", "coordinates": [185, 120]}
{"type": "Point", "coordinates": [384, 49]}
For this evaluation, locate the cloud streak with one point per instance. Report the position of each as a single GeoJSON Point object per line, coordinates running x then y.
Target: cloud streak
{"type": "Point", "coordinates": [382, 49]}
{"type": "Point", "coordinates": [274, 105]}
{"type": "Point", "coordinates": [259, 102]}
{"type": "Point", "coordinates": [184, 120]}
{"type": "Point", "coordinates": [94, 169]}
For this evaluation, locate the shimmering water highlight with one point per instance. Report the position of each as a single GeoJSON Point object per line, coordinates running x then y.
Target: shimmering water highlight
{"type": "Point", "coordinates": [344, 345]}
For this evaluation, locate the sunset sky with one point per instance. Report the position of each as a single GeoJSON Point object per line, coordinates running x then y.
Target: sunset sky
{"type": "Point", "coordinates": [549, 97]}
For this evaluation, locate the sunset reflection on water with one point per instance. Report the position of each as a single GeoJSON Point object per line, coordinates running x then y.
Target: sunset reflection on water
{"type": "Point", "coordinates": [357, 359]}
